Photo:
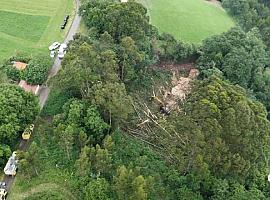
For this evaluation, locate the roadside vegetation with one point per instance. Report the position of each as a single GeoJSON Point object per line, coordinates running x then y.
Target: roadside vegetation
{"type": "Point", "coordinates": [136, 114]}
{"type": "Point", "coordinates": [35, 73]}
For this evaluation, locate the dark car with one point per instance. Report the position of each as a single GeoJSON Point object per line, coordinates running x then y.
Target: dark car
{"type": "Point", "coordinates": [66, 18]}
{"type": "Point", "coordinates": [63, 26]}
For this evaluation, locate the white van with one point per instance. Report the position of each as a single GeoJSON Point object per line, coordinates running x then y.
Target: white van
{"type": "Point", "coordinates": [62, 50]}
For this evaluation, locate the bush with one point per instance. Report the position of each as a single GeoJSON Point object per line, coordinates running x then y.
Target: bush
{"type": "Point", "coordinates": [37, 70]}
{"type": "Point", "coordinates": [47, 195]}
{"type": "Point", "coordinates": [55, 102]}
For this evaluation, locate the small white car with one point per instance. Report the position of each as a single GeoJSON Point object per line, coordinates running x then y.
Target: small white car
{"type": "Point", "coordinates": [54, 46]}
{"type": "Point", "coordinates": [52, 54]}
{"type": "Point", "coordinates": [64, 46]}
{"type": "Point", "coordinates": [12, 164]}
{"type": "Point", "coordinates": [62, 50]}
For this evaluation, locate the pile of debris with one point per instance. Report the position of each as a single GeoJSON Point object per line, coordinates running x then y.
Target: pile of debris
{"type": "Point", "coordinates": [181, 87]}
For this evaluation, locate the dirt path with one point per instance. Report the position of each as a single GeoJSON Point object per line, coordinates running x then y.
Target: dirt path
{"type": "Point", "coordinates": [42, 188]}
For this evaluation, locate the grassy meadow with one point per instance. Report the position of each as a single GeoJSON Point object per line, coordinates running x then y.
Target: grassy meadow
{"type": "Point", "coordinates": [31, 25]}
{"type": "Point", "coordinates": [188, 20]}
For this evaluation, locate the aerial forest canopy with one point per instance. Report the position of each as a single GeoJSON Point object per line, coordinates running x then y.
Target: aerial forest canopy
{"type": "Point", "coordinates": [241, 58]}
{"type": "Point", "coordinates": [250, 14]}
{"type": "Point", "coordinates": [112, 137]}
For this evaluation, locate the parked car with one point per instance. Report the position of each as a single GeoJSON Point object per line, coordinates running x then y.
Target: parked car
{"type": "Point", "coordinates": [54, 46]}
{"type": "Point", "coordinates": [65, 22]}
{"type": "Point", "coordinates": [12, 165]}
{"type": "Point", "coordinates": [62, 50]}
{"type": "Point", "coordinates": [66, 18]}
{"type": "Point", "coordinates": [27, 132]}
{"type": "Point", "coordinates": [52, 54]}
{"type": "Point", "coordinates": [3, 191]}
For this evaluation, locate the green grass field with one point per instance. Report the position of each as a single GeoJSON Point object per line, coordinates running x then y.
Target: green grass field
{"type": "Point", "coordinates": [188, 20]}
{"type": "Point", "coordinates": [31, 25]}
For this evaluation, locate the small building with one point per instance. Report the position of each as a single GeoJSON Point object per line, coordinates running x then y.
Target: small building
{"type": "Point", "coordinates": [29, 88]}
{"type": "Point", "coordinates": [23, 84]}
{"type": "Point", "coordinates": [124, 1]}
{"type": "Point", "coordinates": [19, 65]}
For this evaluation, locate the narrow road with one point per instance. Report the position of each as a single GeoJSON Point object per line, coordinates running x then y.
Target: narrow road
{"type": "Point", "coordinates": [44, 91]}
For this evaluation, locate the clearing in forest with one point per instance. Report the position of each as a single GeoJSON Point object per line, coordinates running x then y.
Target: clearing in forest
{"type": "Point", "coordinates": [188, 20]}
{"type": "Point", "coordinates": [31, 25]}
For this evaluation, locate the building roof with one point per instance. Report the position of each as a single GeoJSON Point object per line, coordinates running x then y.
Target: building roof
{"type": "Point", "coordinates": [29, 88]}
{"type": "Point", "coordinates": [19, 65]}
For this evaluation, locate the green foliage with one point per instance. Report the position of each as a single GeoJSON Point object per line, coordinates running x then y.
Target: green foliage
{"type": "Point", "coordinates": [241, 57]}
{"type": "Point", "coordinates": [5, 152]}
{"type": "Point", "coordinates": [29, 162]}
{"type": "Point", "coordinates": [172, 50]}
{"type": "Point", "coordinates": [37, 70]}
{"type": "Point", "coordinates": [118, 19]}
{"type": "Point", "coordinates": [97, 190]}
{"type": "Point", "coordinates": [128, 186]}
{"type": "Point", "coordinates": [83, 67]}
{"type": "Point", "coordinates": [113, 101]}
{"type": "Point", "coordinates": [250, 14]}
{"type": "Point", "coordinates": [55, 102]}
{"type": "Point", "coordinates": [12, 72]}
{"type": "Point", "coordinates": [55, 195]}
{"type": "Point", "coordinates": [18, 109]}
{"type": "Point", "coordinates": [221, 124]}
{"type": "Point", "coordinates": [35, 73]}
{"type": "Point", "coordinates": [79, 117]}
{"type": "Point", "coordinates": [129, 58]}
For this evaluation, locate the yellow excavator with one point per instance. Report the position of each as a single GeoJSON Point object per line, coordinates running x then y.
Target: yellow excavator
{"type": "Point", "coordinates": [28, 131]}
{"type": "Point", "coordinates": [163, 108]}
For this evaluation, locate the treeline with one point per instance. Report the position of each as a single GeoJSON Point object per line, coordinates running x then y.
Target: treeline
{"type": "Point", "coordinates": [251, 14]}
{"type": "Point", "coordinates": [239, 57]}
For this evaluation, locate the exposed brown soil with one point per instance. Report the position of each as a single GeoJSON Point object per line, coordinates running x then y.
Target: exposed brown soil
{"type": "Point", "coordinates": [174, 67]}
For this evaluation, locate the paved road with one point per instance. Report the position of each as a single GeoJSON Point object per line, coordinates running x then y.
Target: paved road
{"type": "Point", "coordinates": [44, 91]}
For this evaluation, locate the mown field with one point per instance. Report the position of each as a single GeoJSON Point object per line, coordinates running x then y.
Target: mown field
{"type": "Point", "coordinates": [31, 25]}
{"type": "Point", "coordinates": [189, 20]}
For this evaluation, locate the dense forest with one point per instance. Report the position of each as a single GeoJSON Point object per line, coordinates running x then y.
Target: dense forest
{"type": "Point", "coordinates": [107, 129]}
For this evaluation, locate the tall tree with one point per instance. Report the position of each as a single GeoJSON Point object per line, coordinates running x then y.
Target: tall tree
{"type": "Point", "coordinates": [97, 190]}
{"type": "Point", "coordinates": [17, 110]}
{"type": "Point", "coordinates": [112, 100]}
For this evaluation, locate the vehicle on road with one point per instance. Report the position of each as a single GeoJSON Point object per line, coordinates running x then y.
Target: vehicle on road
{"type": "Point", "coordinates": [62, 50]}
{"type": "Point", "coordinates": [54, 46]}
{"type": "Point", "coordinates": [52, 54]}
{"type": "Point", "coordinates": [28, 131]}
{"type": "Point", "coordinates": [12, 165]}
{"type": "Point", "coordinates": [3, 191]}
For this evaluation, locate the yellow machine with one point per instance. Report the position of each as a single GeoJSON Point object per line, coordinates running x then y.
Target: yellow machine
{"type": "Point", "coordinates": [163, 108]}
{"type": "Point", "coordinates": [27, 132]}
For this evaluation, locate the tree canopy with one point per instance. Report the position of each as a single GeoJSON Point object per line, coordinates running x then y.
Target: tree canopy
{"type": "Point", "coordinates": [17, 110]}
